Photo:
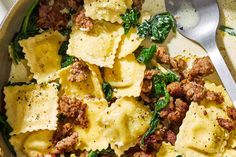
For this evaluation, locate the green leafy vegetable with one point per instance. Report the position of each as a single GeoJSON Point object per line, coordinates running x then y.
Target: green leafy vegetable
{"type": "Point", "coordinates": [6, 129]}
{"type": "Point", "coordinates": [29, 28]}
{"type": "Point", "coordinates": [103, 152]}
{"type": "Point", "coordinates": [65, 31]}
{"type": "Point", "coordinates": [147, 54]}
{"type": "Point", "coordinates": [66, 59]}
{"type": "Point", "coordinates": [107, 90]}
{"type": "Point", "coordinates": [228, 30]}
{"type": "Point", "coordinates": [160, 82]}
{"type": "Point", "coordinates": [130, 19]}
{"type": "Point", "coordinates": [157, 27]}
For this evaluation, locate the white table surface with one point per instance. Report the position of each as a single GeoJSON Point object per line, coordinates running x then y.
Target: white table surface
{"type": "Point", "coordinates": [5, 5]}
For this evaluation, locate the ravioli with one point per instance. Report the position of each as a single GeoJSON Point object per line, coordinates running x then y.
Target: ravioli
{"type": "Point", "coordinates": [41, 52]}
{"type": "Point", "coordinates": [126, 76]}
{"type": "Point", "coordinates": [167, 150]}
{"type": "Point", "coordinates": [32, 144]}
{"type": "Point", "coordinates": [124, 122]}
{"type": "Point", "coordinates": [109, 10]}
{"type": "Point", "coordinates": [31, 107]}
{"type": "Point", "coordinates": [92, 137]}
{"type": "Point", "coordinates": [91, 87]}
{"type": "Point", "coordinates": [97, 46]}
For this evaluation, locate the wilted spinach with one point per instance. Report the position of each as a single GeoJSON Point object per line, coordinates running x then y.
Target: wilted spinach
{"type": "Point", "coordinates": [147, 54]}
{"type": "Point", "coordinates": [157, 27]}
{"type": "Point", "coordinates": [66, 59]}
{"type": "Point", "coordinates": [6, 129]}
{"type": "Point", "coordinates": [160, 82]}
{"type": "Point", "coordinates": [228, 30]}
{"type": "Point", "coordinates": [28, 29]}
{"type": "Point", "coordinates": [107, 90]}
{"type": "Point", "coordinates": [130, 19]}
{"type": "Point", "coordinates": [98, 153]}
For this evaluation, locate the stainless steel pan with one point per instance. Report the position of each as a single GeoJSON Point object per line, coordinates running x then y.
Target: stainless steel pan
{"type": "Point", "coordinates": [9, 27]}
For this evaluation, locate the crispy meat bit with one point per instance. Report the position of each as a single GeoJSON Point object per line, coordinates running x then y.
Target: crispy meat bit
{"type": "Point", "coordinates": [138, 4]}
{"type": "Point", "coordinates": [54, 15]}
{"type": "Point", "coordinates": [142, 154]}
{"type": "Point", "coordinates": [201, 67]}
{"type": "Point", "coordinates": [193, 91]}
{"type": "Point", "coordinates": [67, 143]}
{"type": "Point", "coordinates": [150, 73]}
{"type": "Point", "coordinates": [170, 136]}
{"type": "Point", "coordinates": [175, 89]}
{"type": "Point", "coordinates": [226, 124]}
{"type": "Point", "coordinates": [79, 71]}
{"type": "Point", "coordinates": [175, 112]}
{"type": "Point", "coordinates": [214, 96]}
{"type": "Point", "coordinates": [231, 111]}
{"type": "Point", "coordinates": [177, 64]}
{"type": "Point", "coordinates": [83, 22]}
{"type": "Point", "coordinates": [147, 98]}
{"type": "Point", "coordinates": [162, 55]}
{"type": "Point", "coordinates": [75, 109]}
{"type": "Point", "coordinates": [62, 131]}
{"type": "Point", "coordinates": [146, 86]}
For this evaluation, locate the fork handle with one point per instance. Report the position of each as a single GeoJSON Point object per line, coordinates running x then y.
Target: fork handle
{"type": "Point", "coordinates": [222, 70]}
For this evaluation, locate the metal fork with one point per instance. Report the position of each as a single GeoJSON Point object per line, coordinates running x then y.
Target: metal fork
{"type": "Point", "coordinates": [198, 20]}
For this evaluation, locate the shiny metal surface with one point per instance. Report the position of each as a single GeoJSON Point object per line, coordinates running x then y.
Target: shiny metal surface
{"type": "Point", "coordinates": [203, 31]}
{"type": "Point", "coordinates": [9, 27]}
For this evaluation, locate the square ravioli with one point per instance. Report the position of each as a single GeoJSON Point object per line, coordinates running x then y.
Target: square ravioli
{"type": "Point", "coordinates": [41, 52]}
{"type": "Point", "coordinates": [108, 10]}
{"type": "Point", "coordinates": [31, 107]}
{"type": "Point", "coordinates": [97, 46]}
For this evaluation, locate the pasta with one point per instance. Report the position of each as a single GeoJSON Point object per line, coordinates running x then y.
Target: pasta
{"type": "Point", "coordinates": [41, 52]}
{"type": "Point", "coordinates": [126, 76]}
{"type": "Point", "coordinates": [98, 46]}
{"type": "Point", "coordinates": [90, 87]}
{"type": "Point", "coordinates": [32, 144]}
{"type": "Point", "coordinates": [31, 107]}
{"type": "Point", "coordinates": [106, 10]}
{"type": "Point", "coordinates": [124, 122]}
{"type": "Point", "coordinates": [167, 150]}
{"type": "Point", "coordinates": [91, 138]}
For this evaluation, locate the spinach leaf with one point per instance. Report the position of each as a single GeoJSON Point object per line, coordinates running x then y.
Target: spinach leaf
{"type": "Point", "coordinates": [66, 59]}
{"type": "Point", "coordinates": [29, 28]}
{"type": "Point", "coordinates": [160, 82]}
{"type": "Point", "coordinates": [147, 54]}
{"type": "Point", "coordinates": [157, 27]}
{"type": "Point", "coordinates": [103, 152]}
{"type": "Point", "coordinates": [65, 31]}
{"type": "Point", "coordinates": [6, 129]}
{"type": "Point", "coordinates": [93, 153]}
{"type": "Point", "coordinates": [130, 19]}
{"type": "Point", "coordinates": [228, 30]}
{"type": "Point", "coordinates": [107, 90]}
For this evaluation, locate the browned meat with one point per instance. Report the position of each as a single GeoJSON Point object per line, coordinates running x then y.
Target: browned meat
{"type": "Point", "coordinates": [62, 132]}
{"type": "Point", "coordinates": [75, 109]}
{"type": "Point", "coordinates": [170, 137]}
{"type": "Point", "coordinates": [193, 91]}
{"type": "Point", "coordinates": [142, 154]}
{"type": "Point", "coordinates": [176, 112]}
{"type": "Point", "coordinates": [83, 22]}
{"type": "Point", "coordinates": [226, 124]}
{"type": "Point", "coordinates": [145, 97]}
{"type": "Point", "coordinates": [52, 15]}
{"type": "Point", "coordinates": [231, 111]}
{"type": "Point", "coordinates": [79, 71]}
{"type": "Point", "coordinates": [199, 80]}
{"type": "Point", "coordinates": [175, 89]}
{"type": "Point", "coordinates": [67, 143]}
{"type": "Point", "coordinates": [201, 67]}
{"type": "Point", "coordinates": [162, 55]}
{"type": "Point", "coordinates": [83, 154]}
{"type": "Point", "coordinates": [138, 4]}
{"type": "Point", "coordinates": [146, 86]}
{"type": "Point", "coordinates": [177, 64]}
{"type": "Point", "coordinates": [150, 73]}
{"type": "Point", "coordinates": [214, 96]}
